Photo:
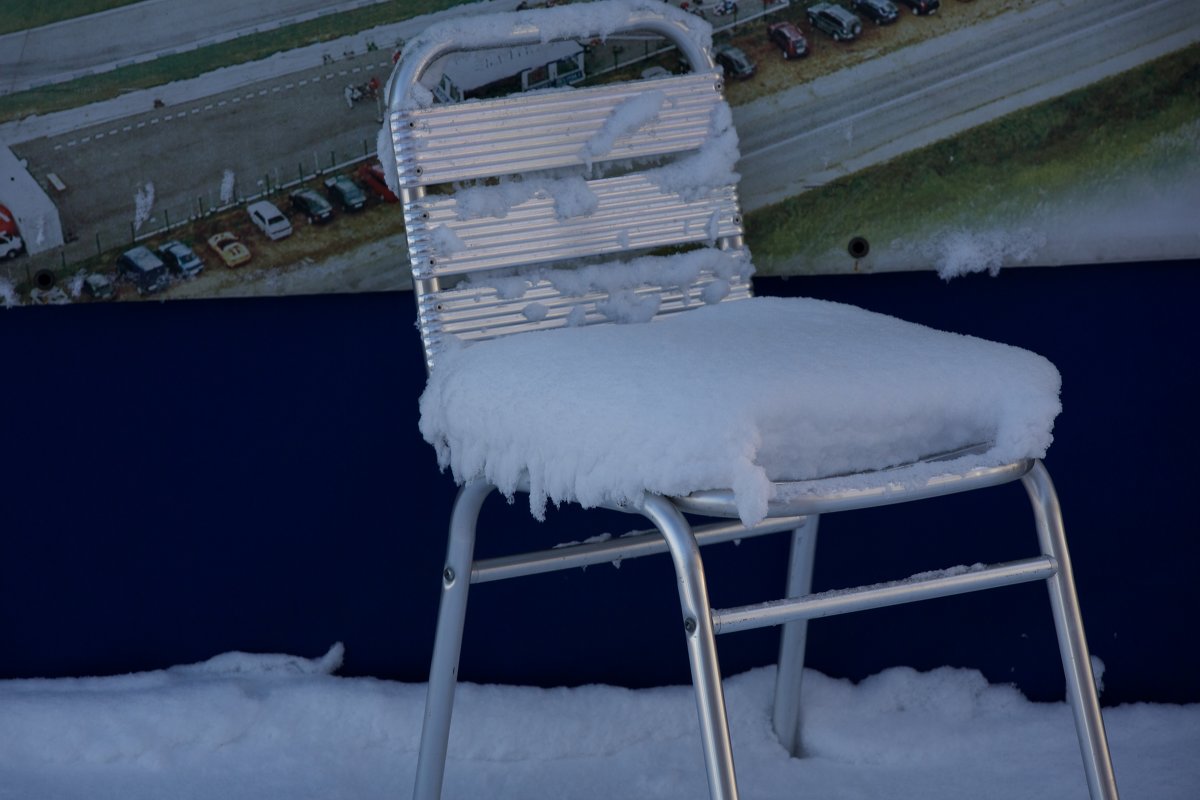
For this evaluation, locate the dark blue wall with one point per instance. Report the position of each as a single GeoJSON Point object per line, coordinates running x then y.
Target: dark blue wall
{"type": "Point", "coordinates": [181, 479]}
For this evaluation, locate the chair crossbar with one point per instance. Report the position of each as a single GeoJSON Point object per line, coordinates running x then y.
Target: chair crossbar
{"type": "Point", "coordinates": [631, 545]}
{"type": "Point", "coordinates": [631, 213]}
{"type": "Point", "coordinates": [943, 583]}
{"type": "Point", "coordinates": [548, 130]}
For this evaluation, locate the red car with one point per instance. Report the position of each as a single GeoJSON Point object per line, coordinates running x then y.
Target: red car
{"type": "Point", "coordinates": [788, 38]}
{"type": "Point", "coordinates": [371, 176]}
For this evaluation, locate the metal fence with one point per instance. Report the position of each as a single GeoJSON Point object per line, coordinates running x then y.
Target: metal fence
{"type": "Point", "coordinates": [44, 270]}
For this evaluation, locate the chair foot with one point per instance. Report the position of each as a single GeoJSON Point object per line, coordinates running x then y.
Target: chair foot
{"type": "Point", "coordinates": [452, 612]}
{"type": "Point", "coordinates": [1072, 644]}
{"type": "Point", "coordinates": [702, 645]}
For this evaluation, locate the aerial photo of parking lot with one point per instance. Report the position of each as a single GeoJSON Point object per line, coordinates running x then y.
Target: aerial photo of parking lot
{"type": "Point", "coordinates": [229, 149]}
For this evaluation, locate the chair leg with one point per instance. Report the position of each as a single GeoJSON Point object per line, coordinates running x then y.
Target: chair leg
{"type": "Point", "coordinates": [1072, 645]}
{"type": "Point", "coordinates": [443, 671]}
{"type": "Point", "coordinates": [702, 645]}
{"type": "Point", "coordinates": [793, 636]}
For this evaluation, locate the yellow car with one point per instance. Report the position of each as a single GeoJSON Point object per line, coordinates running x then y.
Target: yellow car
{"type": "Point", "coordinates": [231, 251]}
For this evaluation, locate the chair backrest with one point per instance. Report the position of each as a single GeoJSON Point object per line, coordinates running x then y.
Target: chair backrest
{"type": "Point", "coordinates": [568, 206]}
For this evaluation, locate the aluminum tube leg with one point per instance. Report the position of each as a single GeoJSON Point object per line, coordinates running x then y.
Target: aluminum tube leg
{"type": "Point", "coordinates": [443, 672]}
{"type": "Point", "coordinates": [1077, 665]}
{"type": "Point", "coordinates": [702, 645]}
{"type": "Point", "coordinates": [785, 716]}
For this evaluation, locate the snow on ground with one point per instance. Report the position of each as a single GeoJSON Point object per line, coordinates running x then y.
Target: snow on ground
{"type": "Point", "coordinates": [242, 726]}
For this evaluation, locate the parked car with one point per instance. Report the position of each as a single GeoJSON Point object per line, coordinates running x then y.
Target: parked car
{"type": "Point", "coordinates": [372, 177]}
{"type": "Point", "coordinates": [923, 6]}
{"type": "Point", "coordinates": [8, 222]}
{"type": "Point", "coordinates": [881, 12]}
{"type": "Point", "coordinates": [835, 21]}
{"type": "Point", "coordinates": [788, 38]}
{"type": "Point", "coordinates": [269, 219]}
{"type": "Point", "coordinates": [11, 245]}
{"type": "Point", "coordinates": [343, 191]}
{"type": "Point", "coordinates": [97, 285]}
{"type": "Point", "coordinates": [144, 270]}
{"type": "Point", "coordinates": [735, 63]}
{"type": "Point", "coordinates": [180, 258]}
{"type": "Point", "coordinates": [231, 251]}
{"type": "Point", "coordinates": [312, 205]}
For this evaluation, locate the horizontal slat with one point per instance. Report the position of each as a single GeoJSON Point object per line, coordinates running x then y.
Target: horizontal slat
{"type": "Point", "coordinates": [546, 130]}
{"type": "Point", "coordinates": [632, 213]}
{"type": "Point", "coordinates": [478, 313]}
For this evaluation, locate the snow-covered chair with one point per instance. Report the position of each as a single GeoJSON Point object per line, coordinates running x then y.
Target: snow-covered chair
{"type": "Point", "coordinates": [562, 210]}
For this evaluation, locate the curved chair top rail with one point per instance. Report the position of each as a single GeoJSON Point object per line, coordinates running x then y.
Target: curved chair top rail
{"type": "Point", "coordinates": [547, 25]}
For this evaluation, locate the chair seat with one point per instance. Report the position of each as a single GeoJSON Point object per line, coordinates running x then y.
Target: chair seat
{"type": "Point", "coordinates": [739, 396]}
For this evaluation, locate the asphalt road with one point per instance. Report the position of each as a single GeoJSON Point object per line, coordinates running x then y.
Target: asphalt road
{"type": "Point", "coordinates": [142, 31]}
{"type": "Point", "coordinates": [816, 132]}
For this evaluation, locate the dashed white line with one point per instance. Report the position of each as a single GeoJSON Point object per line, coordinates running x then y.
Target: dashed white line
{"type": "Point", "coordinates": [289, 85]}
{"type": "Point", "coordinates": [249, 96]}
{"type": "Point", "coordinates": [168, 117]}
{"type": "Point", "coordinates": [72, 143]}
{"type": "Point", "coordinates": [303, 82]}
{"type": "Point", "coordinates": [113, 132]}
{"type": "Point", "coordinates": [127, 128]}
{"type": "Point", "coordinates": [154, 121]}
{"type": "Point", "coordinates": [195, 111]}
{"type": "Point", "coordinates": [99, 136]}
{"type": "Point", "coordinates": [274, 88]}
{"type": "Point", "coordinates": [85, 140]}
{"type": "Point", "coordinates": [208, 107]}
{"type": "Point", "coordinates": [220, 103]}
{"type": "Point", "coordinates": [58, 147]}
{"type": "Point", "coordinates": [236, 100]}
{"type": "Point", "coordinates": [142, 124]}
{"type": "Point", "coordinates": [262, 92]}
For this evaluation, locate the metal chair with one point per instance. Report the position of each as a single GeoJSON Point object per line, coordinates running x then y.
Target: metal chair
{"type": "Point", "coordinates": [466, 263]}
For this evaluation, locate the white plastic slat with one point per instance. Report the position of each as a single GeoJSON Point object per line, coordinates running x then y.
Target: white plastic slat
{"type": "Point", "coordinates": [546, 130]}
{"type": "Point", "coordinates": [632, 213]}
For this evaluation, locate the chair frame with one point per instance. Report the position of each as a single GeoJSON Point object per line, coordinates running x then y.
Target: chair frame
{"type": "Point", "coordinates": [798, 513]}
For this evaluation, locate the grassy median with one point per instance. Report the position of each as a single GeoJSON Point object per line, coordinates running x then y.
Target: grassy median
{"type": "Point", "coordinates": [181, 66]}
{"type": "Point", "coordinates": [1138, 122]}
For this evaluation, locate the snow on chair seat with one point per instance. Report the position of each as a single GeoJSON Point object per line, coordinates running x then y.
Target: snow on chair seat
{"type": "Point", "coordinates": [738, 395]}
{"type": "Point", "coordinates": [582, 283]}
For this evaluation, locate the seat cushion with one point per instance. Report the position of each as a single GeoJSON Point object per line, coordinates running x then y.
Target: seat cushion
{"type": "Point", "coordinates": [738, 395]}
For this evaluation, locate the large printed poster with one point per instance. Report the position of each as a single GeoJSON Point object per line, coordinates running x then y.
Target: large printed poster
{"type": "Point", "coordinates": [229, 149]}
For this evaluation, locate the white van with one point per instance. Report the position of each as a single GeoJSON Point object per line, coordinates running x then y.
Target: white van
{"type": "Point", "coordinates": [10, 245]}
{"type": "Point", "coordinates": [270, 220]}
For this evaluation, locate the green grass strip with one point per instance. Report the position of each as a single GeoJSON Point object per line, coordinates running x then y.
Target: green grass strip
{"type": "Point", "coordinates": [20, 15]}
{"type": "Point", "coordinates": [1003, 168]}
{"type": "Point", "coordinates": [181, 66]}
